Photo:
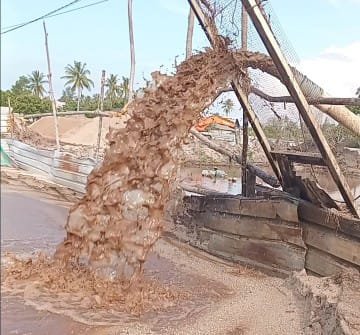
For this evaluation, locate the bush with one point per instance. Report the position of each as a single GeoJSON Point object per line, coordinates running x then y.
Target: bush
{"type": "Point", "coordinates": [29, 104]}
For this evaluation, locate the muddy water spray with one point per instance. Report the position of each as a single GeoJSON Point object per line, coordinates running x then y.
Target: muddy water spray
{"type": "Point", "coordinates": [120, 217]}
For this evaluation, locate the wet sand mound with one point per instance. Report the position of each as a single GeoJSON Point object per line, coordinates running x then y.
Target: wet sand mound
{"type": "Point", "coordinates": [331, 305]}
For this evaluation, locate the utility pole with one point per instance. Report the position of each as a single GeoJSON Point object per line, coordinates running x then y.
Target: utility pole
{"type": "Point", "coordinates": [132, 51]}
{"type": "Point", "coordinates": [51, 91]}
{"type": "Point", "coordinates": [245, 140]}
{"type": "Point", "coordinates": [101, 108]}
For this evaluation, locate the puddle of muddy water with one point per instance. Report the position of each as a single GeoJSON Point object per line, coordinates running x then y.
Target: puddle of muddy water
{"type": "Point", "coordinates": [38, 226]}
{"type": "Point", "coordinates": [193, 177]}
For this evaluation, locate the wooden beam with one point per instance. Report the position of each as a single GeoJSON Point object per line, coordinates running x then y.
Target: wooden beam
{"type": "Point", "coordinates": [245, 142]}
{"type": "Point", "coordinates": [256, 126]}
{"type": "Point", "coordinates": [39, 115]}
{"type": "Point", "coordinates": [301, 157]}
{"type": "Point", "coordinates": [214, 39]}
{"type": "Point", "coordinates": [288, 99]}
{"type": "Point", "coordinates": [51, 90]}
{"type": "Point", "coordinates": [310, 100]}
{"type": "Point", "coordinates": [271, 180]}
{"type": "Point", "coordinates": [101, 108]}
{"type": "Point", "coordinates": [271, 44]}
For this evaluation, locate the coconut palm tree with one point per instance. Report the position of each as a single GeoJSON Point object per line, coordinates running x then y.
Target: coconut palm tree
{"type": "Point", "coordinates": [77, 78]}
{"type": "Point", "coordinates": [113, 88]}
{"type": "Point", "coordinates": [132, 52]}
{"type": "Point", "coordinates": [228, 106]}
{"type": "Point", "coordinates": [36, 83]}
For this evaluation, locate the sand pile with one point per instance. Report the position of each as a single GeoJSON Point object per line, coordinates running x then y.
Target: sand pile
{"type": "Point", "coordinates": [331, 304]}
{"type": "Point", "coordinates": [78, 130]}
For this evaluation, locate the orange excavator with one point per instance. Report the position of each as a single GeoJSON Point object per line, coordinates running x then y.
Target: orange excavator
{"type": "Point", "coordinates": [205, 123]}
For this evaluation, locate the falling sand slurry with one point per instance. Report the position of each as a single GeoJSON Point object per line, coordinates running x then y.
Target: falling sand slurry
{"type": "Point", "coordinates": [107, 271]}
{"type": "Point", "coordinates": [217, 298]}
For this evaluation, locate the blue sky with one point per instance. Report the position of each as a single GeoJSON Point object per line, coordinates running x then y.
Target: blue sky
{"type": "Point", "coordinates": [319, 30]}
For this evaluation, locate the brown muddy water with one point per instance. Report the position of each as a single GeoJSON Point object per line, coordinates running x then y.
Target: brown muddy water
{"type": "Point", "coordinates": [209, 302]}
{"type": "Point", "coordinates": [30, 225]}
{"type": "Point", "coordinates": [232, 183]}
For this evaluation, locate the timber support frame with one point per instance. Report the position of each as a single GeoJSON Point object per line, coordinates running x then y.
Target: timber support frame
{"type": "Point", "coordinates": [272, 46]}
{"type": "Point", "coordinates": [240, 94]}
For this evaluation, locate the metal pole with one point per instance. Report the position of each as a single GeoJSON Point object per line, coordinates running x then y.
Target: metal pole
{"type": "Point", "coordinates": [101, 107]}
{"type": "Point", "coordinates": [51, 92]}
{"type": "Point", "coordinates": [245, 141]}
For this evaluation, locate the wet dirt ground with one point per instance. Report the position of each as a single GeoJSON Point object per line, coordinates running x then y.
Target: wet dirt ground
{"type": "Point", "coordinates": [219, 298]}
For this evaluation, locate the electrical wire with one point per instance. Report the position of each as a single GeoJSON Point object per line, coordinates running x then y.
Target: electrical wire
{"type": "Point", "coordinates": [41, 17]}
{"type": "Point", "coordinates": [68, 11]}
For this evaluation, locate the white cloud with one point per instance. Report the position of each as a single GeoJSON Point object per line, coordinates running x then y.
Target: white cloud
{"type": "Point", "coordinates": [336, 69]}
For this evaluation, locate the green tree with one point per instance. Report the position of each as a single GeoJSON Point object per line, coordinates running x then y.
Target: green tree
{"type": "Point", "coordinates": [4, 102]}
{"type": "Point", "coordinates": [227, 106]}
{"type": "Point", "coordinates": [21, 86]}
{"type": "Point", "coordinates": [77, 78]}
{"type": "Point", "coordinates": [113, 89]}
{"type": "Point", "coordinates": [29, 104]}
{"type": "Point", "coordinates": [67, 95]}
{"type": "Point", "coordinates": [358, 92]}
{"type": "Point", "coordinates": [36, 83]}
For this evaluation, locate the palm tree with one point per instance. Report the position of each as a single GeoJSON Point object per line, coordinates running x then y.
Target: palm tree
{"type": "Point", "coordinates": [77, 76]}
{"type": "Point", "coordinates": [358, 92]}
{"type": "Point", "coordinates": [228, 106]}
{"type": "Point", "coordinates": [36, 83]}
{"type": "Point", "coordinates": [132, 51]}
{"type": "Point", "coordinates": [113, 88]}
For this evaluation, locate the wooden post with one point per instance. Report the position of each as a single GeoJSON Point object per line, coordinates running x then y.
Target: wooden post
{"type": "Point", "coordinates": [190, 32]}
{"type": "Point", "coordinates": [245, 141]}
{"type": "Point", "coordinates": [240, 94]}
{"type": "Point", "coordinates": [250, 184]}
{"type": "Point", "coordinates": [101, 109]}
{"type": "Point", "coordinates": [132, 51]}
{"type": "Point", "coordinates": [51, 91]}
{"type": "Point", "coordinates": [11, 120]}
{"type": "Point", "coordinates": [272, 46]}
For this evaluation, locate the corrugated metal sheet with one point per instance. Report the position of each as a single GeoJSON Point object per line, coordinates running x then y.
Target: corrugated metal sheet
{"type": "Point", "coordinates": [60, 167]}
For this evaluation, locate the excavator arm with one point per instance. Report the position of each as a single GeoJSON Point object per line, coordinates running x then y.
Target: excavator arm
{"type": "Point", "coordinates": [204, 124]}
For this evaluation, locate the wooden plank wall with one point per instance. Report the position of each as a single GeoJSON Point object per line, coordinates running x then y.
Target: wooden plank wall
{"type": "Point", "coordinates": [277, 235]}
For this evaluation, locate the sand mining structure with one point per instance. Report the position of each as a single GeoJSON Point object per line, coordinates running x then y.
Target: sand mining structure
{"type": "Point", "coordinates": [120, 217]}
